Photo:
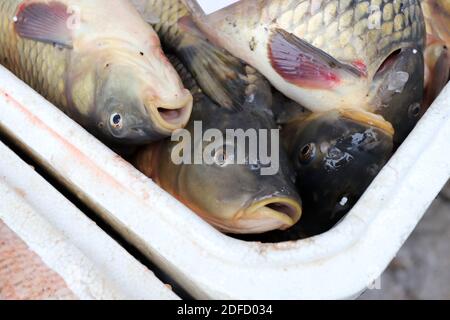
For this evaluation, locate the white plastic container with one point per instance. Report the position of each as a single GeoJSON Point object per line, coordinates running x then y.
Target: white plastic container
{"type": "Point", "coordinates": [338, 264]}
{"type": "Point", "coordinates": [51, 250]}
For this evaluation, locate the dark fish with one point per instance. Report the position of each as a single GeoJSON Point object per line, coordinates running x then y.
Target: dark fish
{"type": "Point", "coordinates": [437, 70]}
{"type": "Point", "coordinates": [336, 156]}
{"type": "Point", "coordinates": [235, 198]}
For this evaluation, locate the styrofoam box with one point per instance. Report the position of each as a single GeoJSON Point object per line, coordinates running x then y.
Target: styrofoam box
{"type": "Point", "coordinates": [338, 264]}
{"type": "Point", "coordinates": [51, 250]}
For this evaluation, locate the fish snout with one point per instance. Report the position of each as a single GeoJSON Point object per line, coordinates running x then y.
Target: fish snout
{"type": "Point", "coordinates": [171, 115]}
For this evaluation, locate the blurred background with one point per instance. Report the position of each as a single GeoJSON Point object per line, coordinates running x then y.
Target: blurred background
{"type": "Point", "coordinates": [421, 269]}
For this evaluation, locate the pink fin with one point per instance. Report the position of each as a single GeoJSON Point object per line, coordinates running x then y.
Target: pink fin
{"type": "Point", "coordinates": [304, 65]}
{"type": "Point", "coordinates": [45, 22]}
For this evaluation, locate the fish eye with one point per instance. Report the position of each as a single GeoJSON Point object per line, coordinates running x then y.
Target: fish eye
{"type": "Point", "coordinates": [116, 120]}
{"type": "Point", "coordinates": [307, 153]}
{"type": "Point", "coordinates": [414, 110]}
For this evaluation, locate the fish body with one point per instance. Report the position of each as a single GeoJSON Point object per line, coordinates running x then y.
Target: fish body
{"type": "Point", "coordinates": [235, 198]}
{"type": "Point", "coordinates": [321, 53]}
{"type": "Point", "coordinates": [99, 62]}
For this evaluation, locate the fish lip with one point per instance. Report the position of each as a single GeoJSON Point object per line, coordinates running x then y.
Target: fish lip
{"type": "Point", "coordinates": [165, 126]}
{"type": "Point", "coordinates": [368, 118]}
{"type": "Point", "coordinates": [260, 218]}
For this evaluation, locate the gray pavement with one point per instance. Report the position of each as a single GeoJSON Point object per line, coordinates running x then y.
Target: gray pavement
{"type": "Point", "coordinates": [421, 269]}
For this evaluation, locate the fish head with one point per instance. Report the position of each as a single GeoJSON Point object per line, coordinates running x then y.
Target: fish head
{"type": "Point", "coordinates": [230, 188]}
{"type": "Point", "coordinates": [134, 106]}
{"type": "Point", "coordinates": [336, 155]}
{"type": "Point", "coordinates": [398, 90]}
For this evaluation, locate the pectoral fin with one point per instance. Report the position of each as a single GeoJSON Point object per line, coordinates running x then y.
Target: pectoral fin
{"type": "Point", "coordinates": [304, 65]}
{"type": "Point", "coordinates": [45, 22]}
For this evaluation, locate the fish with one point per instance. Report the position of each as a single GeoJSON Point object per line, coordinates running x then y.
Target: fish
{"type": "Point", "coordinates": [215, 70]}
{"type": "Point", "coordinates": [321, 54]}
{"type": "Point", "coordinates": [336, 155]}
{"type": "Point", "coordinates": [234, 198]}
{"type": "Point", "coordinates": [99, 62]}
{"type": "Point", "coordinates": [437, 58]}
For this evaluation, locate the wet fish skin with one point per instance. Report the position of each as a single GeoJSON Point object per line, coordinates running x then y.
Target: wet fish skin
{"type": "Point", "coordinates": [109, 73]}
{"type": "Point", "coordinates": [225, 195]}
{"type": "Point", "coordinates": [336, 155]}
{"type": "Point", "coordinates": [349, 36]}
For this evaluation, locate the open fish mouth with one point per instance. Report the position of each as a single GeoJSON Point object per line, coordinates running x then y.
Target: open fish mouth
{"type": "Point", "coordinates": [267, 215]}
{"type": "Point", "coordinates": [171, 118]}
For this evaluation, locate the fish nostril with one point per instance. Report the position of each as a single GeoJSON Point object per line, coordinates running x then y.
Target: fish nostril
{"type": "Point", "coordinates": [284, 208]}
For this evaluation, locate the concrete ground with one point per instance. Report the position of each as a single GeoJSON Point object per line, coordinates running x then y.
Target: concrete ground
{"type": "Point", "coordinates": [421, 269]}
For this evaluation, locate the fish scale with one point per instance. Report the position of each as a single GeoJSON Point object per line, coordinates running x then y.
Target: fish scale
{"type": "Point", "coordinates": [36, 63]}
{"type": "Point", "coordinates": [309, 18]}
